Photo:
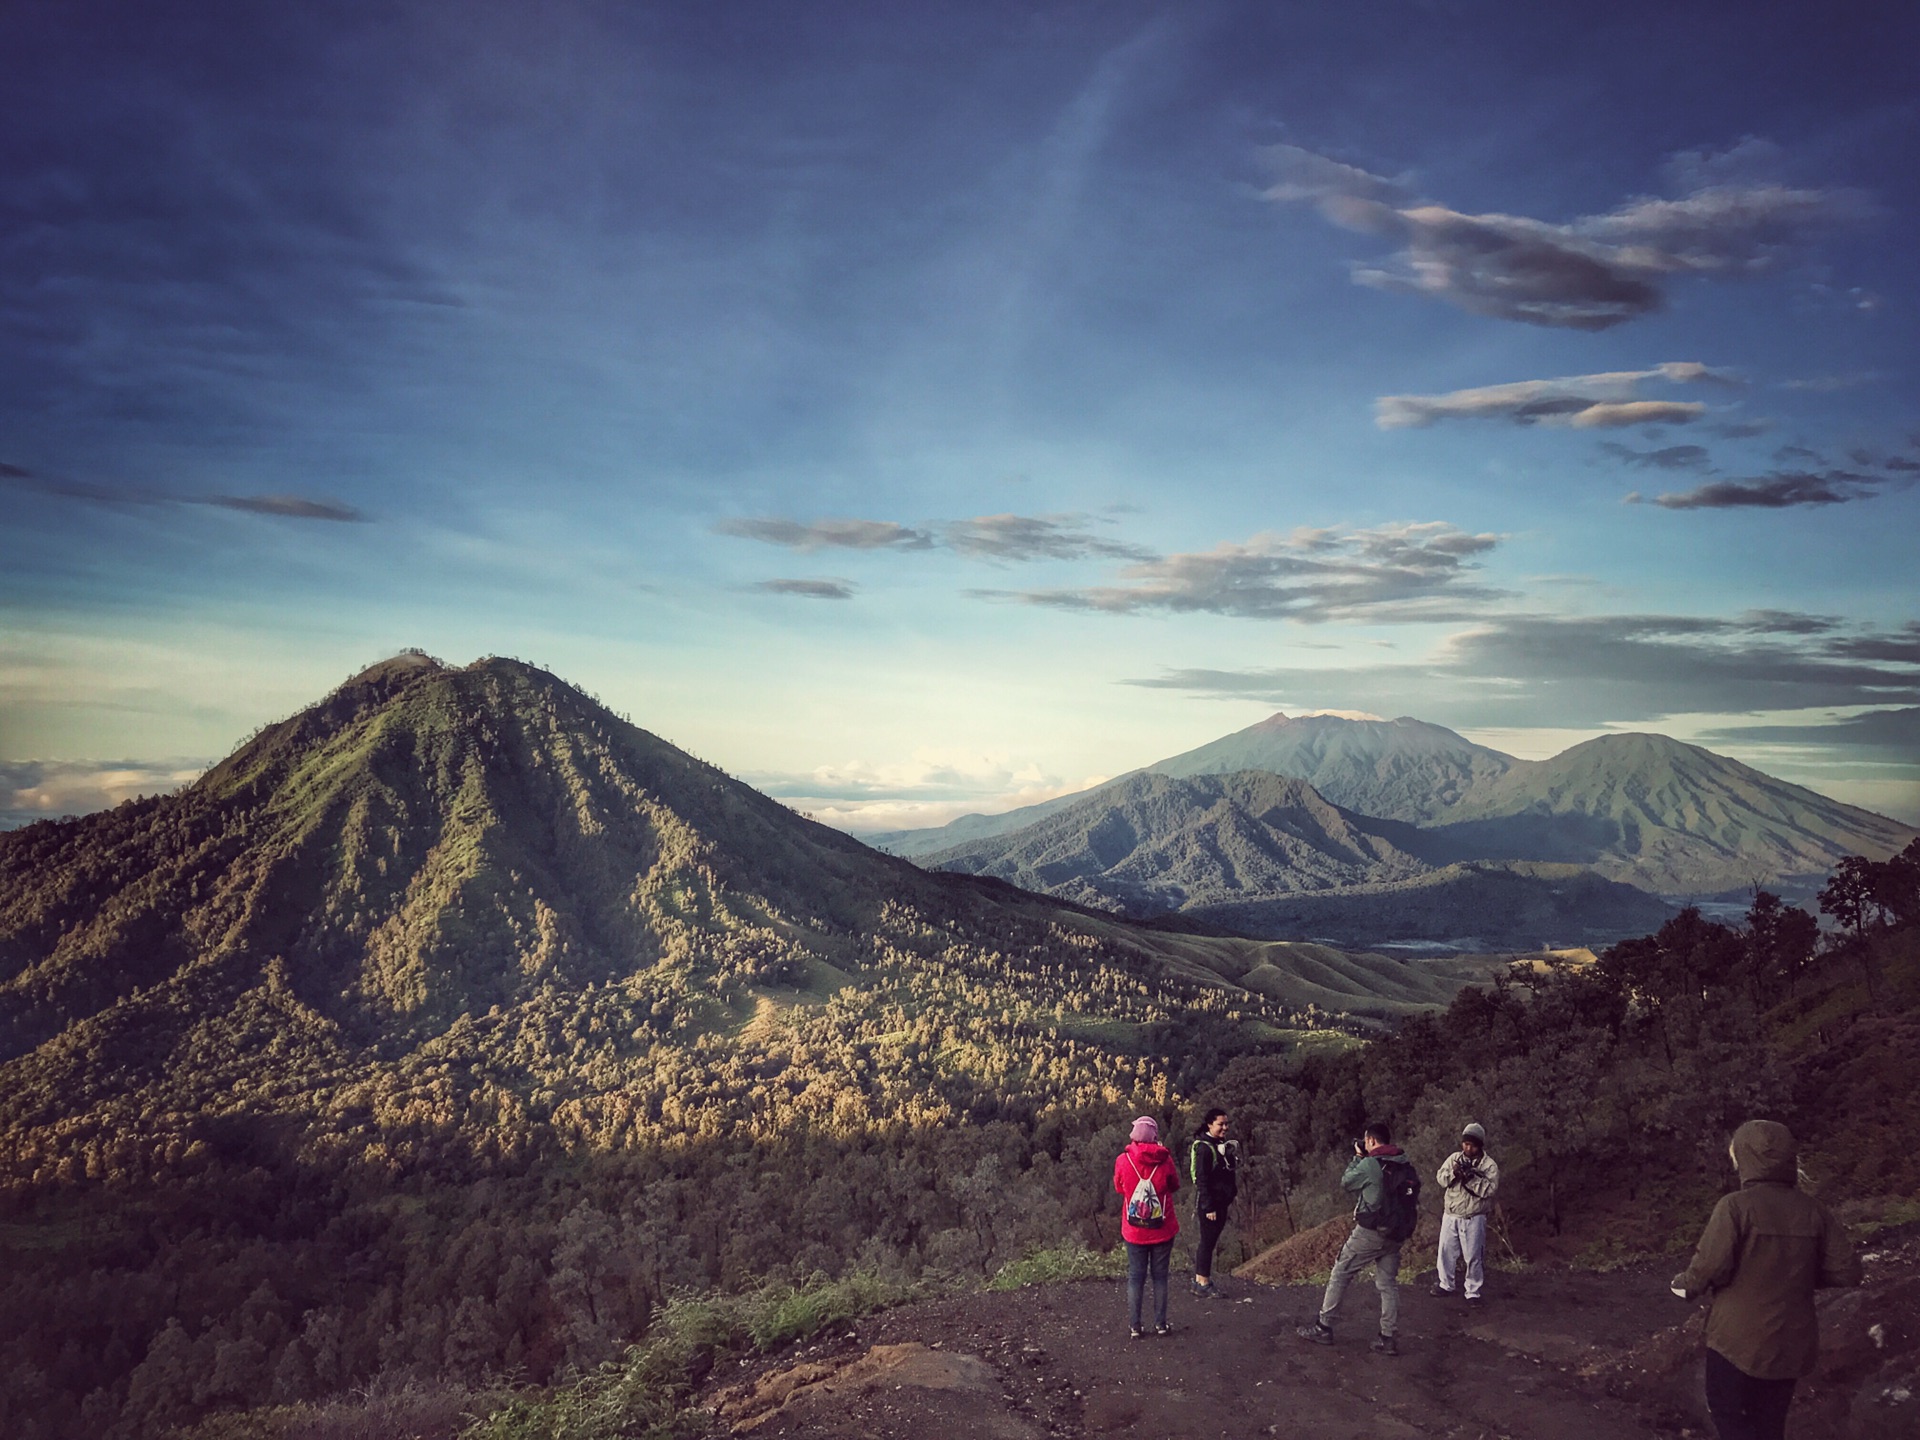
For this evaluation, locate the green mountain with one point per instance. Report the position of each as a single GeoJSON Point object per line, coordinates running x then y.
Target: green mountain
{"type": "Point", "coordinates": [428, 844]}
{"type": "Point", "coordinates": [1265, 856]}
{"type": "Point", "coordinates": [1667, 817]}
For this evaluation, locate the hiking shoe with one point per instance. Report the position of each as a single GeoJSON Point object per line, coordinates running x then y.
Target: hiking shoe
{"type": "Point", "coordinates": [1134, 1332]}
{"type": "Point", "coordinates": [1386, 1345]}
{"type": "Point", "coordinates": [1440, 1292]}
{"type": "Point", "coordinates": [1473, 1299]}
{"type": "Point", "coordinates": [1163, 1329]}
{"type": "Point", "coordinates": [1205, 1292]}
{"type": "Point", "coordinates": [1316, 1332]}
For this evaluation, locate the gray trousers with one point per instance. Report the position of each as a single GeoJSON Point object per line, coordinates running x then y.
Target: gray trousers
{"type": "Point", "coordinates": [1463, 1246]}
{"type": "Point", "coordinates": [1366, 1247]}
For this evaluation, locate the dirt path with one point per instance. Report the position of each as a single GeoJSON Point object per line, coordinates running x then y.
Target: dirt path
{"type": "Point", "coordinates": [1548, 1355]}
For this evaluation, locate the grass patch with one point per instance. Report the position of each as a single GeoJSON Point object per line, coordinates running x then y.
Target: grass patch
{"type": "Point", "coordinates": [1070, 1261]}
{"type": "Point", "coordinates": [645, 1393]}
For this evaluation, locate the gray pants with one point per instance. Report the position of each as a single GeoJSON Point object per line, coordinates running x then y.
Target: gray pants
{"type": "Point", "coordinates": [1463, 1246]}
{"type": "Point", "coordinates": [1366, 1247]}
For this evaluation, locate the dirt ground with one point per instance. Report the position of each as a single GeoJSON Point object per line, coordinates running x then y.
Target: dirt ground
{"type": "Point", "coordinates": [1549, 1354]}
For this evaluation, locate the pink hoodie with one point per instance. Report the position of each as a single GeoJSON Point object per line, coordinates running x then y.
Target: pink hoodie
{"type": "Point", "coordinates": [1142, 1161]}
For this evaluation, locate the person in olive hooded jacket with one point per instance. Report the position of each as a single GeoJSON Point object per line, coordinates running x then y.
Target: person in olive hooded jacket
{"type": "Point", "coordinates": [1766, 1249]}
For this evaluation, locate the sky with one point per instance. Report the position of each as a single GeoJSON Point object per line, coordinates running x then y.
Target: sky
{"type": "Point", "coordinates": [928, 409]}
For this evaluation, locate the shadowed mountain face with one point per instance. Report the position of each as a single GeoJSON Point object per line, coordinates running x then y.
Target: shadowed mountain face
{"type": "Point", "coordinates": [1665, 816]}
{"type": "Point", "coordinates": [1266, 856]}
{"type": "Point", "coordinates": [1152, 843]}
{"type": "Point", "coordinates": [1401, 769]}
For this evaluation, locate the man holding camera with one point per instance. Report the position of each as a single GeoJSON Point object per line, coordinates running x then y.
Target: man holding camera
{"type": "Point", "coordinates": [1384, 1216]}
{"type": "Point", "coordinates": [1468, 1180]}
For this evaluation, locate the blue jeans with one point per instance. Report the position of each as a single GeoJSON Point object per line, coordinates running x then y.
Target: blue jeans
{"type": "Point", "coordinates": [1139, 1259]}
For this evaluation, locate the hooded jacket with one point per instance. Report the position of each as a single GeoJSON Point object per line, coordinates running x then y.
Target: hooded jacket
{"type": "Point", "coordinates": [1467, 1192]}
{"type": "Point", "coordinates": [1765, 1250]}
{"type": "Point", "coordinates": [1212, 1164]}
{"type": "Point", "coordinates": [1364, 1179]}
{"type": "Point", "coordinates": [1147, 1160]}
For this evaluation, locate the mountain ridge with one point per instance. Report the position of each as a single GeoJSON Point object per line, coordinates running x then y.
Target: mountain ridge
{"type": "Point", "coordinates": [1668, 817]}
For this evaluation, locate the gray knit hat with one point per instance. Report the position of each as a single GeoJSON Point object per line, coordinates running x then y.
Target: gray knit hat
{"type": "Point", "coordinates": [1474, 1132]}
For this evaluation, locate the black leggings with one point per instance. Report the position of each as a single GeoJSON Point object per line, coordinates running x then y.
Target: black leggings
{"type": "Point", "coordinates": [1745, 1408]}
{"type": "Point", "coordinates": [1209, 1237]}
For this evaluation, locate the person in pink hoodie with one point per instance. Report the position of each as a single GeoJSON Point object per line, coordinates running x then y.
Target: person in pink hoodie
{"type": "Point", "coordinates": [1145, 1176]}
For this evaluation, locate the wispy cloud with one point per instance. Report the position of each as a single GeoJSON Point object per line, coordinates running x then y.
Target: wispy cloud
{"type": "Point", "coordinates": [1409, 572]}
{"type": "Point", "coordinates": [1606, 401]}
{"type": "Point", "coordinates": [826, 534]}
{"type": "Point", "coordinates": [290, 507]}
{"type": "Point", "coordinates": [41, 789]}
{"type": "Point", "coordinates": [820, 589]}
{"type": "Point", "coordinates": [1592, 670]}
{"type": "Point", "coordinates": [1816, 484]}
{"type": "Point", "coordinates": [1034, 537]}
{"type": "Point", "coordinates": [1890, 736]}
{"type": "Point", "coordinates": [1593, 273]}
{"type": "Point", "coordinates": [1667, 457]}
{"type": "Point", "coordinates": [1782, 491]}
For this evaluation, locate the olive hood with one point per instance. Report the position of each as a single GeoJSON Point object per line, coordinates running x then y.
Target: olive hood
{"type": "Point", "coordinates": [1766, 1150]}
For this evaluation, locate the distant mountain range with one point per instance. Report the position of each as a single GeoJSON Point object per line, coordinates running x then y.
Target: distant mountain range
{"type": "Point", "coordinates": [1383, 803]}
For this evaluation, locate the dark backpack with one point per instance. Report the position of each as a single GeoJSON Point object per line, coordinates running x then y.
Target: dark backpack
{"type": "Point", "coordinates": [1399, 1210]}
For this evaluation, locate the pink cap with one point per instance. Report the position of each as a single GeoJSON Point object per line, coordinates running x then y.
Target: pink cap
{"type": "Point", "coordinates": [1146, 1130]}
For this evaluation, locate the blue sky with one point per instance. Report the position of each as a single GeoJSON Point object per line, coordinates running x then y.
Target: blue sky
{"type": "Point", "coordinates": [931, 408]}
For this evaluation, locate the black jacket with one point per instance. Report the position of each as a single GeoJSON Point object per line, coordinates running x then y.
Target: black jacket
{"type": "Point", "coordinates": [1211, 1165]}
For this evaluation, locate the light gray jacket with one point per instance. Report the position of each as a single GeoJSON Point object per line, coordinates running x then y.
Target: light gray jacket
{"type": "Point", "coordinates": [1472, 1195]}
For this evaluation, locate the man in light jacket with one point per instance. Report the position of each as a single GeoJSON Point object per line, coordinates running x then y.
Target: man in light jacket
{"type": "Point", "coordinates": [1766, 1249]}
{"type": "Point", "coordinates": [1469, 1179]}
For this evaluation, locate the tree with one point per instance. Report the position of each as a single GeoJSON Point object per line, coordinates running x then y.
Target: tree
{"type": "Point", "coordinates": [1848, 894]}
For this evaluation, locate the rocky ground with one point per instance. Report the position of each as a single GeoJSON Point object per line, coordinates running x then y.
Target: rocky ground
{"type": "Point", "coordinates": [1549, 1354]}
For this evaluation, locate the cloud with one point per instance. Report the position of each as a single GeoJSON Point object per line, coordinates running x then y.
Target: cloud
{"type": "Point", "coordinates": [826, 589]}
{"type": "Point", "coordinates": [44, 789]}
{"type": "Point", "coordinates": [1405, 572]}
{"type": "Point", "coordinates": [929, 788]}
{"type": "Point", "coordinates": [826, 534]}
{"type": "Point", "coordinates": [1033, 537]}
{"type": "Point", "coordinates": [291, 507]}
{"type": "Point", "coordinates": [1669, 457]}
{"type": "Point", "coordinates": [1607, 400]}
{"type": "Point", "coordinates": [1596, 272]}
{"type": "Point", "coordinates": [1544, 670]}
{"type": "Point", "coordinates": [1891, 736]}
{"type": "Point", "coordinates": [1781, 490]}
